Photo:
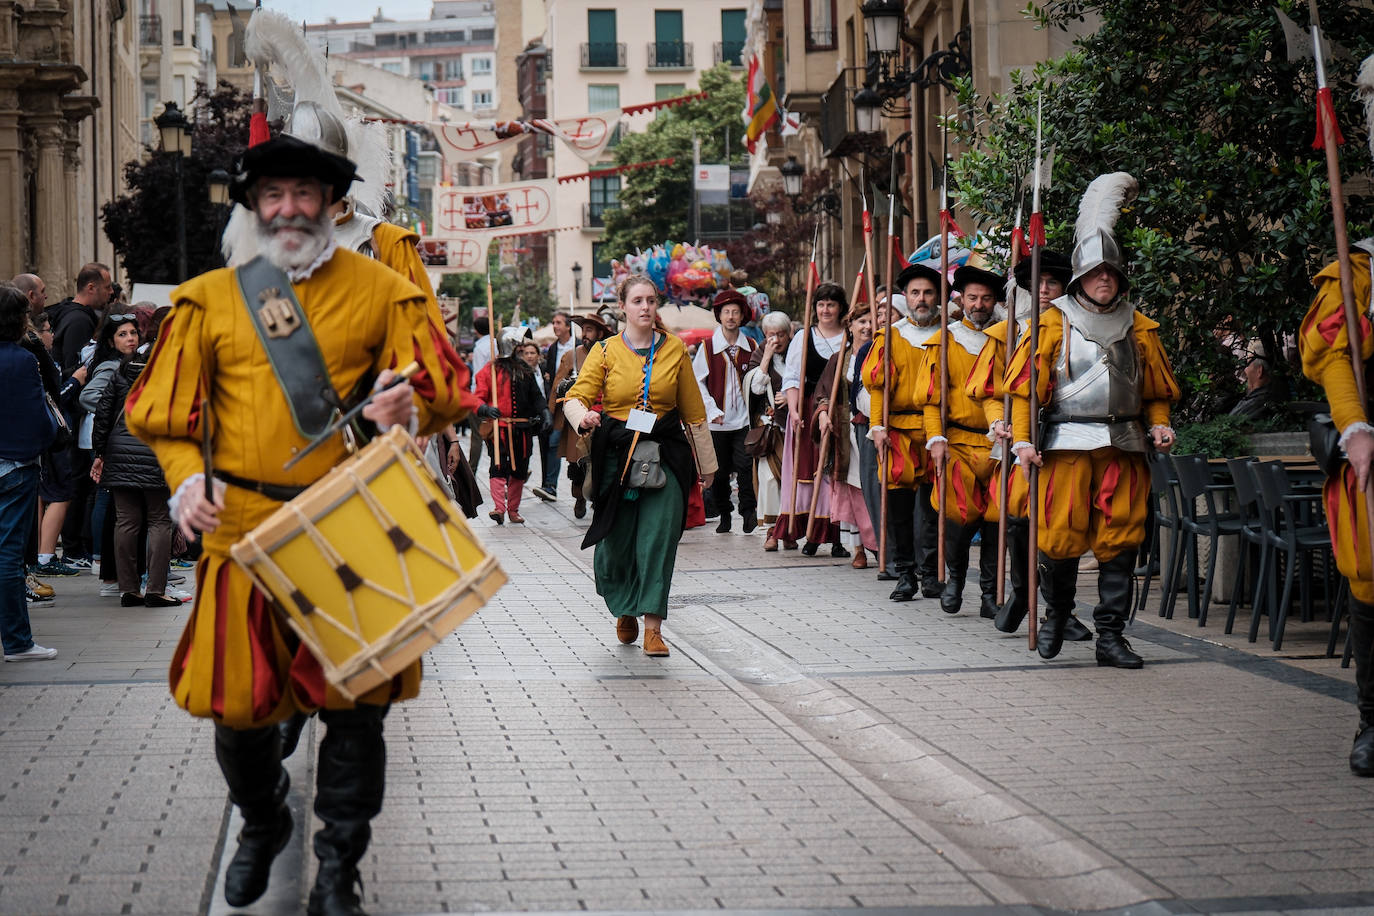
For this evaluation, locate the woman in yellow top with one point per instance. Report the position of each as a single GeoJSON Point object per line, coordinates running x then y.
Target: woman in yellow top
{"type": "Point", "coordinates": [648, 392]}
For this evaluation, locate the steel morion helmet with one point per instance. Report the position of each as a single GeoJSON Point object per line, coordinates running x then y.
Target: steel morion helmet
{"type": "Point", "coordinates": [510, 338]}
{"type": "Point", "coordinates": [1094, 241]}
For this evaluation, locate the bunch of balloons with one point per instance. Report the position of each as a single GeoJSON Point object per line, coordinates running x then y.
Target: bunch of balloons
{"type": "Point", "coordinates": [684, 274]}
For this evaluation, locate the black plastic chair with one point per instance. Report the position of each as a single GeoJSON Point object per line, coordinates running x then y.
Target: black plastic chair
{"type": "Point", "coordinates": [1165, 516]}
{"type": "Point", "coordinates": [1251, 535]}
{"type": "Point", "coordinates": [1194, 483]}
{"type": "Point", "coordinates": [1293, 539]}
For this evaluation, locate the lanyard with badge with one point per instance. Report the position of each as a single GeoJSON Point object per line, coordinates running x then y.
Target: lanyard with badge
{"type": "Point", "coordinates": [641, 418]}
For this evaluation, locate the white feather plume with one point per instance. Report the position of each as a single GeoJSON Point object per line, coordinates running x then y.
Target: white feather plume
{"type": "Point", "coordinates": [240, 240]}
{"type": "Point", "coordinates": [1364, 88]}
{"type": "Point", "coordinates": [1102, 203]}
{"type": "Point", "coordinates": [367, 147]}
{"type": "Point", "coordinates": [274, 42]}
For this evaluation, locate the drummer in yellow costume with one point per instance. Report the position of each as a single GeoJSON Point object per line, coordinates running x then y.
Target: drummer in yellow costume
{"type": "Point", "coordinates": [236, 663]}
{"type": "Point", "coordinates": [1103, 381]}
{"type": "Point", "coordinates": [987, 385]}
{"type": "Point", "coordinates": [959, 447]}
{"type": "Point", "coordinates": [914, 554]}
{"type": "Point", "coordinates": [1325, 346]}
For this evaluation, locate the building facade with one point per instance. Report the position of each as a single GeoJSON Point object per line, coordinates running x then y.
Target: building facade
{"type": "Point", "coordinates": [605, 54]}
{"type": "Point", "coordinates": [68, 121]}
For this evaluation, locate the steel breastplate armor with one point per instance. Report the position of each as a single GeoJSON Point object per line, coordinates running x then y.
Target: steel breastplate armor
{"type": "Point", "coordinates": [355, 233]}
{"type": "Point", "coordinates": [1098, 382]}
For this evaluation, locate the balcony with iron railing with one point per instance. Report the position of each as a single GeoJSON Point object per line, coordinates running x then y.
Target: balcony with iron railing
{"type": "Point", "coordinates": [150, 30]}
{"type": "Point", "coordinates": [594, 214]}
{"type": "Point", "coordinates": [603, 55]}
{"type": "Point", "coordinates": [730, 52]}
{"type": "Point", "coordinates": [670, 55]}
{"type": "Point", "coordinates": [835, 106]}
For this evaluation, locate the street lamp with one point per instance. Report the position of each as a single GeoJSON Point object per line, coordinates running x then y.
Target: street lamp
{"type": "Point", "coordinates": [577, 281]}
{"type": "Point", "coordinates": [882, 25]}
{"type": "Point", "coordinates": [175, 133]}
{"type": "Point", "coordinates": [792, 172]}
{"type": "Point", "coordinates": [218, 184]}
{"type": "Point", "coordinates": [867, 110]}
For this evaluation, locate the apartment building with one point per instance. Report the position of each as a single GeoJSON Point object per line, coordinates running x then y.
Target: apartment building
{"type": "Point", "coordinates": [604, 54]}
{"type": "Point", "coordinates": [817, 58]}
{"type": "Point", "coordinates": [454, 51]}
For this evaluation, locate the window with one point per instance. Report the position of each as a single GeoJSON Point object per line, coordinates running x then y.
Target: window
{"type": "Point", "coordinates": [481, 65]}
{"type": "Point", "coordinates": [604, 195]}
{"type": "Point", "coordinates": [668, 38]}
{"type": "Point", "coordinates": [452, 97]}
{"type": "Point", "coordinates": [392, 66]}
{"type": "Point", "coordinates": [601, 260]}
{"type": "Point", "coordinates": [453, 69]}
{"type": "Point", "coordinates": [483, 34]}
{"type": "Point", "coordinates": [667, 91]}
{"type": "Point", "coordinates": [481, 98]}
{"type": "Point", "coordinates": [732, 32]}
{"type": "Point", "coordinates": [602, 50]}
{"type": "Point", "coordinates": [820, 25]}
{"type": "Point", "coordinates": [603, 98]}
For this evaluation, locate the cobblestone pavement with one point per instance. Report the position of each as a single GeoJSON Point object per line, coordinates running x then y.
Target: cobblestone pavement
{"type": "Point", "coordinates": [808, 746]}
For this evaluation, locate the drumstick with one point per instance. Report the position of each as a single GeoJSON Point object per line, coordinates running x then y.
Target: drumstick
{"type": "Point", "coordinates": [403, 376]}
{"type": "Point", "coordinates": [206, 450]}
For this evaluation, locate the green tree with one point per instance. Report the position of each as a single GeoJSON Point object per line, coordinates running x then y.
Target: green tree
{"type": "Point", "coordinates": [523, 283]}
{"type": "Point", "coordinates": [1199, 102]}
{"type": "Point", "coordinates": [656, 203]}
{"type": "Point", "coordinates": [142, 224]}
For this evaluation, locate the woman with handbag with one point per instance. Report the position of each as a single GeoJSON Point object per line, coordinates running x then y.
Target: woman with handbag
{"type": "Point", "coordinates": [641, 460]}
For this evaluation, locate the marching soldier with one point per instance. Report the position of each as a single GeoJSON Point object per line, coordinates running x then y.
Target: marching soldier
{"type": "Point", "coordinates": [987, 385]}
{"type": "Point", "coordinates": [1325, 347]}
{"type": "Point", "coordinates": [1106, 387]}
{"type": "Point", "coordinates": [959, 448]}
{"type": "Point", "coordinates": [908, 483]}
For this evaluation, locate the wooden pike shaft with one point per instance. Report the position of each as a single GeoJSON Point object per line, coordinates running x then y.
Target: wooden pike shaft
{"type": "Point", "coordinates": [885, 459]}
{"type": "Point", "coordinates": [828, 437]}
{"type": "Point", "coordinates": [1347, 280]}
{"type": "Point", "coordinates": [1033, 497]}
{"type": "Point", "coordinates": [801, 420]}
{"type": "Point", "coordinates": [1004, 472]}
{"type": "Point", "coordinates": [944, 394]}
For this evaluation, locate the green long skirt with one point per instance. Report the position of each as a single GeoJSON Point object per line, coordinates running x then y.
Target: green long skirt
{"type": "Point", "coordinates": [634, 563]}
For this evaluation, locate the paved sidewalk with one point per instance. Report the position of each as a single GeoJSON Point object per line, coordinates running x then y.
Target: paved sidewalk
{"type": "Point", "coordinates": [809, 745]}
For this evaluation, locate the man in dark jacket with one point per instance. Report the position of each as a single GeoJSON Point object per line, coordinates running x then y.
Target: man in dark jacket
{"type": "Point", "coordinates": [26, 429]}
{"type": "Point", "coordinates": [74, 319]}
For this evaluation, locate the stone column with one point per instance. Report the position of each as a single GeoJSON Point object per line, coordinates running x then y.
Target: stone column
{"type": "Point", "coordinates": [51, 230]}
{"type": "Point", "coordinates": [13, 213]}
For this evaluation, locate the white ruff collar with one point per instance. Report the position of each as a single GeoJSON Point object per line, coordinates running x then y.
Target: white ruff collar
{"type": "Point", "coordinates": [304, 273]}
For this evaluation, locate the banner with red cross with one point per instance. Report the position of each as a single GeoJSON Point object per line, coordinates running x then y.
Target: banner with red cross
{"type": "Point", "coordinates": [525, 206]}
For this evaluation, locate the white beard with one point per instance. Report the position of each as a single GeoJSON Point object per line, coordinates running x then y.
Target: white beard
{"type": "Point", "coordinates": [316, 239]}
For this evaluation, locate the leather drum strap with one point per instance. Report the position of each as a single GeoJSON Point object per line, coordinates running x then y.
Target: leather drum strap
{"type": "Point", "coordinates": [293, 351]}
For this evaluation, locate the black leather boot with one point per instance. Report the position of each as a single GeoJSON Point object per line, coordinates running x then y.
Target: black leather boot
{"type": "Point", "coordinates": [749, 519]}
{"type": "Point", "coordinates": [250, 760]}
{"type": "Point", "coordinates": [906, 585]}
{"type": "Point", "coordinates": [1011, 614]}
{"type": "Point", "coordinates": [723, 527]}
{"type": "Point", "coordinates": [927, 525]}
{"type": "Point", "coordinates": [1115, 586]}
{"type": "Point", "coordinates": [291, 733]}
{"type": "Point", "coordinates": [1362, 651]}
{"type": "Point", "coordinates": [1058, 582]}
{"type": "Point", "coordinates": [349, 785]}
{"type": "Point", "coordinates": [987, 571]}
{"type": "Point", "coordinates": [956, 566]}
{"type": "Point", "coordinates": [1076, 630]}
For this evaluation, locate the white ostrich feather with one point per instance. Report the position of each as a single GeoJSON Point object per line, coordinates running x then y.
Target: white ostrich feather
{"type": "Point", "coordinates": [240, 240]}
{"type": "Point", "coordinates": [274, 42]}
{"type": "Point", "coordinates": [1102, 203]}
{"type": "Point", "coordinates": [367, 147]}
{"type": "Point", "coordinates": [1364, 88]}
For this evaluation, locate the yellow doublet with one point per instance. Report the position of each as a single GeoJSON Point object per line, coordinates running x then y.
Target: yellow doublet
{"type": "Point", "coordinates": [1325, 348]}
{"type": "Point", "coordinates": [905, 419]}
{"type": "Point", "coordinates": [615, 373]}
{"type": "Point", "coordinates": [969, 467]}
{"type": "Point", "coordinates": [1094, 500]}
{"type": "Point", "coordinates": [395, 247]}
{"type": "Point", "coordinates": [235, 663]}
{"type": "Point", "coordinates": [987, 385]}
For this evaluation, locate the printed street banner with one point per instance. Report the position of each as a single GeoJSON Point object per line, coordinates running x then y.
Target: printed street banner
{"type": "Point", "coordinates": [526, 206]}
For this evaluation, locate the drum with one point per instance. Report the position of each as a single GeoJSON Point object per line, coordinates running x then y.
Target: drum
{"type": "Point", "coordinates": [372, 565]}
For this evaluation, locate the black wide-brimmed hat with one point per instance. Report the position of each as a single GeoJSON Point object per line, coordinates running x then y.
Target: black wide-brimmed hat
{"type": "Point", "coordinates": [970, 274]}
{"type": "Point", "coordinates": [912, 272]}
{"type": "Point", "coordinates": [1051, 262]}
{"type": "Point", "coordinates": [285, 156]}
